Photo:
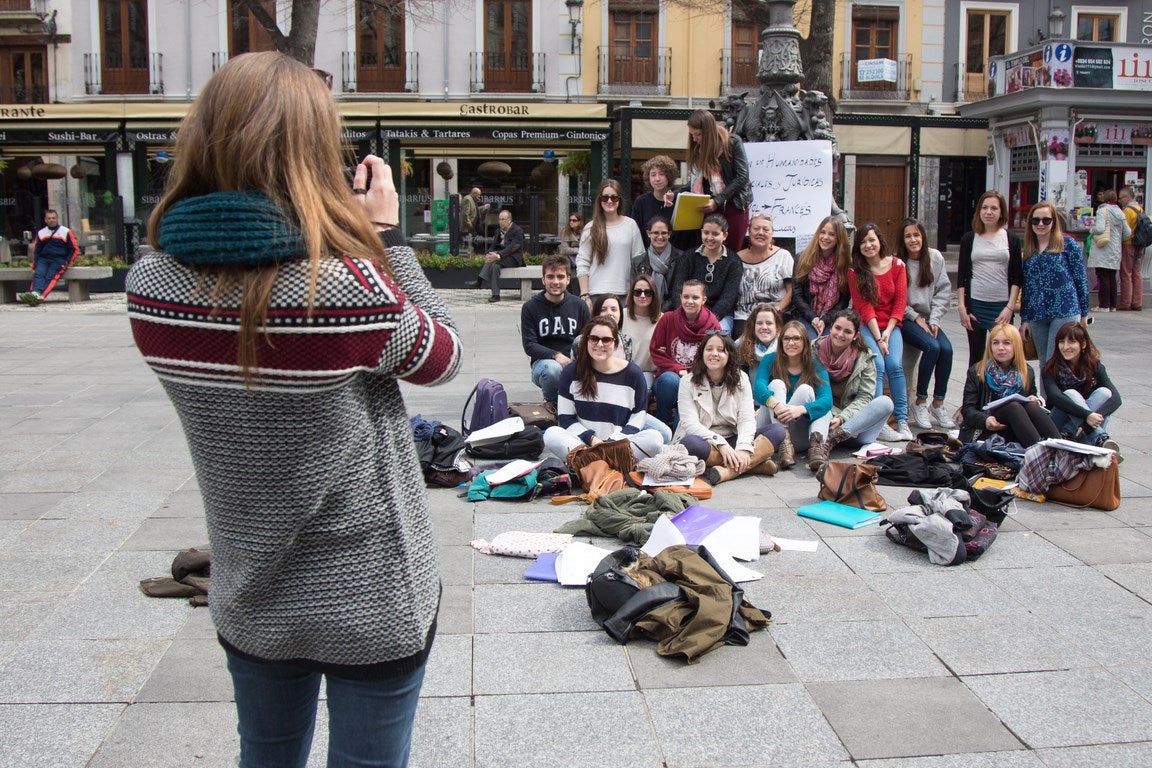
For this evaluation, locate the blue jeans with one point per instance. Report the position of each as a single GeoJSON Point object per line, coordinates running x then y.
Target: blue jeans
{"type": "Point", "coordinates": [546, 375]}
{"type": "Point", "coordinates": [1044, 334]}
{"type": "Point", "coordinates": [891, 365]}
{"type": "Point", "coordinates": [1068, 424]}
{"type": "Point", "coordinates": [369, 722]}
{"type": "Point", "coordinates": [867, 422]}
{"type": "Point", "coordinates": [936, 358]}
{"type": "Point", "coordinates": [666, 388]}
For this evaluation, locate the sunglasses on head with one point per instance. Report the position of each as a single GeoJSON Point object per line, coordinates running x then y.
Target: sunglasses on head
{"type": "Point", "coordinates": [609, 198]}
{"type": "Point", "coordinates": [640, 292]}
{"type": "Point", "coordinates": [601, 340]}
{"type": "Point", "coordinates": [1041, 220]}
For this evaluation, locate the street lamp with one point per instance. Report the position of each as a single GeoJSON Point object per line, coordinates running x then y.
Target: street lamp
{"type": "Point", "coordinates": [575, 9]}
{"type": "Point", "coordinates": [1056, 23]}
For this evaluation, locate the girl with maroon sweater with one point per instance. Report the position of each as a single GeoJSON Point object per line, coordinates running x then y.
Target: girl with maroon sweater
{"type": "Point", "coordinates": [879, 287]}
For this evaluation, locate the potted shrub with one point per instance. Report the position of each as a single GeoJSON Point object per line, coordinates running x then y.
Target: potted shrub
{"type": "Point", "coordinates": [1142, 134]}
{"type": "Point", "coordinates": [1086, 133]}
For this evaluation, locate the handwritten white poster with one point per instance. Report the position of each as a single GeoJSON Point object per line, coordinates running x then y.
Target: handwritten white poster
{"type": "Point", "coordinates": [792, 181]}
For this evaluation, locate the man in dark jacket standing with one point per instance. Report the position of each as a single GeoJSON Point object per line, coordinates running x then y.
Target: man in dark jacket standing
{"type": "Point", "coordinates": [507, 251]}
{"type": "Point", "coordinates": [54, 251]}
{"type": "Point", "coordinates": [549, 322]}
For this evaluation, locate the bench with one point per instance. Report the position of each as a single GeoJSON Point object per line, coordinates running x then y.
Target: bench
{"type": "Point", "coordinates": [526, 275]}
{"type": "Point", "coordinates": [14, 279]}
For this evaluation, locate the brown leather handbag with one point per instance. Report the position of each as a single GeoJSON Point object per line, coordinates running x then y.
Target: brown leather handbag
{"type": "Point", "coordinates": [853, 484]}
{"type": "Point", "coordinates": [1098, 487]}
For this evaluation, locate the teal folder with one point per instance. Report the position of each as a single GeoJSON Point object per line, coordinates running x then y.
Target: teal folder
{"type": "Point", "coordinates": [839, 514]}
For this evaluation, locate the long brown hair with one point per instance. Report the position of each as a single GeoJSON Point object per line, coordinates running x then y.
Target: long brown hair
{"type": "Point", "coordinates": [865, 280]}
{"type": "Point", "coordinates": [598, 237]}
{"type": "Point", "coordinates": [808, 373]}
{"type": "Point", "coordinates": [923, 259]}
{"type": "Point", "coordinates": [1055, 235]}
{"type": "Point", "coordinates": [748, 339]}
{"type": "Point", "coordinates": [731, 380]}
{"type": "Point", "coordinates": [585, 372]}
{"type": "Point", "coordinates": [1019, 359]}
{"type": "Point", "coordinates": [811, 253]}
{"type": "Point", "coordinates": [265, 123]}
{"type": "Point", "coordinates": [654, 310]}
{"type": "Point", "coordinates": [1084, 367]}
{"type": "Point", "coordinates": [705, 156]}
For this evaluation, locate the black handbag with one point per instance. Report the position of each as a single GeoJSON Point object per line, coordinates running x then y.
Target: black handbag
{"type": "Point", "coordinates": [528, 443]}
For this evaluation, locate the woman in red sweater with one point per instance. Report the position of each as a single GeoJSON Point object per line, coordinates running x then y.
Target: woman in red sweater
{"type": "Point", "coordinates": [879, 287]}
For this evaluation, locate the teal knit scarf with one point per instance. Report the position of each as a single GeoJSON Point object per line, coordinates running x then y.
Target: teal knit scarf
{"type": "Point", "coordinates": [243, 229]}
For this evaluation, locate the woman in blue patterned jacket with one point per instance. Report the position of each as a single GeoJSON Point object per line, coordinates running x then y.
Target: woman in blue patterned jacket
{"type": "Point", "coordinates": [1055, 279]}
{"type": "Point", "coordinates": [280, 313]}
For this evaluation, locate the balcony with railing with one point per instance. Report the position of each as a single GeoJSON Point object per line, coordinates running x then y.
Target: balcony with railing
{"type": "Point", "coordinates": [738, 72]}
{"type": "Point", "coordinates": [143, 75]}
{"type": "Point", "coordinates": [634, 75]}
{"type": "Point", "coordinates": [506, 72]}
{"type": "Point", "coordinates": [877, 80]}
{"type": "Point", "coordinates": [970, 86]}
{"type": "Point", "coordinates": [376, 72]}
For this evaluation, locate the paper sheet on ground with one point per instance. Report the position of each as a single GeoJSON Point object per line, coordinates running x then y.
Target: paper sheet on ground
{"type": "Point", "coordinates": [880, 450]}
{"type": "Point", "coordinates": [1071, 445]}
{"type": "Point", "coordinates": [511, 471]}
{"type": "Point", "coordinates": [496, 432]}
{"type": "Point", "coordinates": [797, 545]}
{"type": "Point", "coordinates": [577, 561]}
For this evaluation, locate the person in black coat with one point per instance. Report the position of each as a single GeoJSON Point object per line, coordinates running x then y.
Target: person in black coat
{"type": "Point", "coordinates": [507, 251]}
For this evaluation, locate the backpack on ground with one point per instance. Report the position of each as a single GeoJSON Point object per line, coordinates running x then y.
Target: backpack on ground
{"type": "Point", "coordinates": [1142, 232]}
{"type": "Point", "coordinates": [491, 406]}
{"type": "Point", "coordinates": [528, 443]}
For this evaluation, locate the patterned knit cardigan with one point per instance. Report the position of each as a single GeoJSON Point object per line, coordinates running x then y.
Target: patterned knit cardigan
{"type": "Point", "coordinates": [322, 546]}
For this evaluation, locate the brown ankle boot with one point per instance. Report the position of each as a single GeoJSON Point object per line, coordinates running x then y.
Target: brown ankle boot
{"type": "Point", "coordinates": [714, 458]}
{"type": "Point", "coordinates": [817, 451]}
{"type": "Point", "coordinates": [760, 463]}
{"type": "Point", "coordinates": [787, 453]}
{"type": "Point", "coordinates": [836, 435]}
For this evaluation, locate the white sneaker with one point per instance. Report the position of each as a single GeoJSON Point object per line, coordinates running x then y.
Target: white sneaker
{"type": "Point", "coordinates": [903, 430]}
{"type": "Point", "coordinates": [888, 435]}
{"type": "Point", "coordinates": [920, 415]}
{"type": "Point", "coordinates": [941, 417]}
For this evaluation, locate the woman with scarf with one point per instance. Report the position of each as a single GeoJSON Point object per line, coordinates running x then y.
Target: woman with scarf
{"type": "Point", "coordinates": [1080, 394]}
{"type": "Point", "coordinates": [858, 413]}
{"type": "Point", "coordinates": [717, 419]}
{"type": "Point", "coordinates": [767, 276]}
{"type": "Point", "coordinates": [659, 261]}
{"type": "Point", "coordinates": [794, 387]}
{"type": "Point", "coordinates": [820, 282]}
{"type": "Point", "coordinates": [1004, 373]}
{"type": "Point", "coordinates": [282, 341]}
{"type": "Point", "coordinates": [718, 166]}
{"type": "Point", "coordinates": [761, 333]}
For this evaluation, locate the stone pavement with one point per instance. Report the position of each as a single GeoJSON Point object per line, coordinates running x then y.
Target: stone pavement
{"type": "Point", "coordinates": [1037, 655]}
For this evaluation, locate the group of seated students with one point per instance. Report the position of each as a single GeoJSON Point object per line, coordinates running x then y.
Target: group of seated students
{"type": "Point", "coordinates": [810, 383]}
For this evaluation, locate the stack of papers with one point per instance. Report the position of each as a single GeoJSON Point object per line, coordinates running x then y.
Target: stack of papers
{"type": "Point", "coordinates": [501, 430]}
{"type": "Point", "coordinates": [725, 535]}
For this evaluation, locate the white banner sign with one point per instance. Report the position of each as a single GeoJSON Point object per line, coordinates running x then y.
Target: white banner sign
{"type": "Point", "coordinates": [876, 70]}
{"type": "Point", "coordinates": [792, 182]}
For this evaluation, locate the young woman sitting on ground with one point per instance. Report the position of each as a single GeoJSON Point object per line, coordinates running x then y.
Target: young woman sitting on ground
{"type": "Point", "coordinates": [717, 416]}
{"type": "Point", "coordinates": [794, 387]}
{"type": "Point", "coordinates": [1003, 372]}
{"type": "Point", "coordinates": [858, 414]}
{"type": "Point", "coordinates": [601, 397]}
{"type": "Point", "coordinates": [1080, 394]}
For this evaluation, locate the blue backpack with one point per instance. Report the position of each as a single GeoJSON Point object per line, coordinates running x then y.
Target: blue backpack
{"type": "Point", "coordinates": [1142, 232]}
{"type": "Point", "coordinates": [491, 406]}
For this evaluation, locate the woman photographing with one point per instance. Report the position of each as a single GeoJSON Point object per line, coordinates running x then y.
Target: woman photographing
{"type": "Point", "coordinates": [293, 329]}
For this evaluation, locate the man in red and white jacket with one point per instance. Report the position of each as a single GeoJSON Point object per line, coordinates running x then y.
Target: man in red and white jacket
{"type": "Point", "coordinates": [53, 252]}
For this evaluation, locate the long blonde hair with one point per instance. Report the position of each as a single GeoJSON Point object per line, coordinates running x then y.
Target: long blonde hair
{"type": "Point", "coordinates": [1055, 235]}
{"type": "Point", "coordinates": [1019, 359]}
{"type": "Point", "coordinates": [266, 123]}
